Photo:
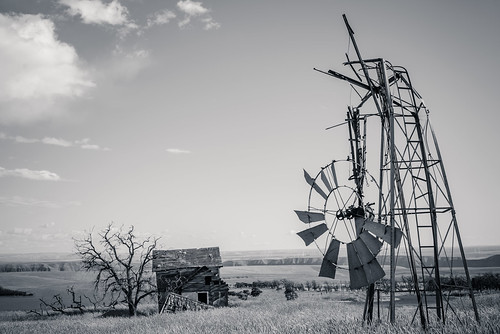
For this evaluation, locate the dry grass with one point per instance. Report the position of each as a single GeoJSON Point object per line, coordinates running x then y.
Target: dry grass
{"type": "Point", "coordinates": [268, 313]}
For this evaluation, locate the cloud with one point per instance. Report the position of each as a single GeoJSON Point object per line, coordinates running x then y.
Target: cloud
{"type": "Point", "coordinates": [193, 9]}
{"type": "Point", "coordinates": [126, 65]}
{"type": "Point", "coordinates": [56, 141]}
{"type": "Point", "coordinates": [210, 24]}
{"type": "Point", "coordinates": [18, 201]}
{"type": "Point", "coordinates": [38, 70]}
{"type": "Point", "coordinates": [38, 175]}
{"type": "Point", "coordinates": [20, 139]}
{"type": "Point", "coordinates": [160, 18]}
{"type": "Point", "coordinates": [33, 239]}
{"type": "Point", "coordinates": [83, 143]}
{"type": "Point", "coordinates": [177, 151]}
{"type": "Point", "coordinates": [20, 231]}
{"type": "Point", "coordinates": [97, 12]}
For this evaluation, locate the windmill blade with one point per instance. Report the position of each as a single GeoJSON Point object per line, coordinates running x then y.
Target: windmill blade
{"type": "Point", "coordinates": [357, 275]}
{"type": "Point", "coordinates": [312, 233]}
{"type": "Point", "coordinates": [325, 181]}
{"type": "Point", "coordinates": [373, 271]}
{"type": "Point", "coordinates": [364, 268]}
{"type": "Point", "coordinates": [310, 217]}
{"type": "Point", "coordinates": [334, 175]}
{"type": "Point", "coordinates": [328, 268]}
{"type": "Point", "coordinates": [313, 184]}
{"type": "Point", "coordinates": [359, 222]}
{"type": "Point", "coordinates": [373, 244]}
{"type": "Point", "coordinates": [362, 251]}
{"type": "Point", "coordinates": [352, 257]}
{"type": "Point", "coordinates": [383, 232]}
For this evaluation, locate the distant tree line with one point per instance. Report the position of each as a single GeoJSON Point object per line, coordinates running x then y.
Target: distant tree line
{"type": "Point", "coordinates": [40, 266]}
{"type": "Point", "coordinates": [287, 284]}
{"type": "Point", "coordinates": [486, 281]}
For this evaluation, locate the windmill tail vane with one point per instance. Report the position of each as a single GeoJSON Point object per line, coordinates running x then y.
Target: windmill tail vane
{"type": "Point", "coordinates": [410, 206]}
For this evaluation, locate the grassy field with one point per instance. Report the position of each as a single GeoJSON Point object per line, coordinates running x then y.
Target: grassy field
{"type": "Point", "coordinates": [312, 312]}
{"type": "Point", "coordinates": [47, 284]}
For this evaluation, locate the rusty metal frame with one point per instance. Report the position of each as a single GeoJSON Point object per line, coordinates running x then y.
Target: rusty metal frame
{"type": "Point", "coordinates": [414, 192]}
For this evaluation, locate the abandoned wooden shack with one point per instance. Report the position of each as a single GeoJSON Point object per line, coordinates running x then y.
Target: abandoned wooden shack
{"type": "Point", "coordinates": [188, 279]}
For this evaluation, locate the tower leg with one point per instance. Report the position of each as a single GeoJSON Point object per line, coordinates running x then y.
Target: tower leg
{"type": "Point", "coordinates": [368, 312]}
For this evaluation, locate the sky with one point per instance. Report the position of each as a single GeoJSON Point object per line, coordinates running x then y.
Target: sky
{"type": "Point", "coordinates": [193, 120]}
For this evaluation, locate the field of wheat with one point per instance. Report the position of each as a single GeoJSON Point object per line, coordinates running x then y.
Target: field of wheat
{"type": "Point", "coordinates": [311, 312]}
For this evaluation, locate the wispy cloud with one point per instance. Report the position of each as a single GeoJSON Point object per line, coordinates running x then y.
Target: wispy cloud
{"type": "Point", "coordinates": [210, 24]}
{"type": "Point", "coordinates": [126, 64]}
{"type": "Point", "coordinates": [85, 144]}
{"type": "Point", "coordinates": [56, 142]}
{"type": "Point", "coordinates": [177, 151]}
{"type": "Point", "coordinates": [160, 18]}
{"type": "Point", "coordinates": [20, 231]}
{"type": "Point", "coordinates": [194, 9]}
{"type": "Point", "coordinates": [18, 201]}
{"type": "Point", "coordinates": [32, 56]}
{"type": "Point", "coordinates": [82, 143]}
{"type": "Point", "coordinates": [33, 239]}
{"type": "Point", "coordinates": [97, 12]}
{"type": "Point", "coordinates": [38, 175]}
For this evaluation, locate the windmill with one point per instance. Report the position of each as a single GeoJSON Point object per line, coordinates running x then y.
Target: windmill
{"type": "Point", "coordinates": [408, 208]}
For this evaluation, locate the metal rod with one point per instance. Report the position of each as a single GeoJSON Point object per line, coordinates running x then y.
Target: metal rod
{"type": "Point", "coordinates": [455, 225]}
{"type": "Point", "coordinates": [434, 223]}
{"type": "Point", "coordinates": [389, 111]}
{"type": "Point", "coordinates": [363, 66]}
{"type": "Point", "coordinates": [334, 126]}
{"type": "Point", "coordinates": [352, 67]}
{"type": "Point", "coordinates": [343, 77]}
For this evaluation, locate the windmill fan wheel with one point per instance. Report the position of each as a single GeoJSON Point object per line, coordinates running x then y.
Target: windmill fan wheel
{"type": "Point", "coordinates": [337, 216]}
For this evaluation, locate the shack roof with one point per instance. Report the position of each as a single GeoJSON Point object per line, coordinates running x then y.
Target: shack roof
{"type": "Point", "coordinates": [186, 258]}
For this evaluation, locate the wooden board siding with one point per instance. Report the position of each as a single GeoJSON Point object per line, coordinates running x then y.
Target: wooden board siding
{"type": "Point", "coordinates": [216, 288]}
{"type": "Point", "coordinates": [186, 258]}
{"type": "Point", "coordinates": [192, 272]}
{"type": "Point", "coordinates": [174, 302]}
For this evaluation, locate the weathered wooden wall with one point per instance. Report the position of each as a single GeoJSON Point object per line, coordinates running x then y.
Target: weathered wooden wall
{"type": "Point", "coordinates": [191, 271]}
{"type": "Point", "coordinates": [187, 280]}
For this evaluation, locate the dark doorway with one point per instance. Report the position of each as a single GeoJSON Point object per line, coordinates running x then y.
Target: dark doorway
{"type": "Point", "coordinates": [203, 297]}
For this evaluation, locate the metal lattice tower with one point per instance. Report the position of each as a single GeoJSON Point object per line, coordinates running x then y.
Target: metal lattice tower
{"type": "Point", "coordinates": [414, 211]}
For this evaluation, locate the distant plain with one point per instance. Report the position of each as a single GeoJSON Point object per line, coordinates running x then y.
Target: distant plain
{"type": "Point", "coordinates": [46, 284]}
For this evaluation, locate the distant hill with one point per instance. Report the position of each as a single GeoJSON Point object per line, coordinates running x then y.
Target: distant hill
{"type": "Point", "coordinates": [492, 261]}
{"type": "Point", "coordinates": [70, 262]}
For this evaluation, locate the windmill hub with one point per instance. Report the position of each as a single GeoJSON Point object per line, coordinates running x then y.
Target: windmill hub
{"type": "Point", "coordinates": [350, 213]}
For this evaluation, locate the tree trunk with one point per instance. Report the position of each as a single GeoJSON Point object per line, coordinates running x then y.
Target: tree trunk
{"type": "Point", "coordinates": [132, 309]}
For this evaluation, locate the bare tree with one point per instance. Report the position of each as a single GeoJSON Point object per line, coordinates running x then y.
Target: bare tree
{"type": "Point", "coordinates": [122, 264]}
